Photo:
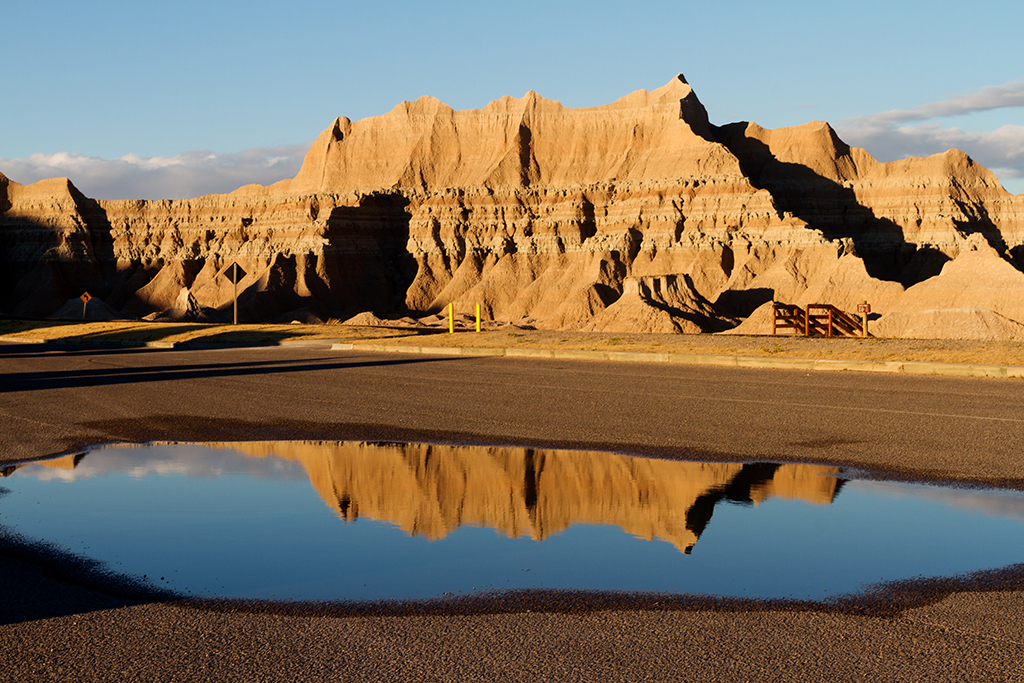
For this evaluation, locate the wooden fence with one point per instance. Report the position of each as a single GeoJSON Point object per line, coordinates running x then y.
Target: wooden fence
{"type": "Point", "coordinates": [817, 319]}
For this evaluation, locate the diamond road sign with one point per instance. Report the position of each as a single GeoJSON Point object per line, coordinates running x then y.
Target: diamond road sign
{"type": "Point", "coordinates": [229, 273]}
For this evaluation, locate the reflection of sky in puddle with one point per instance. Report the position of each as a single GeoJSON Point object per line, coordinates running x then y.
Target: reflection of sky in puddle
{"type": "Point", "coordinates": [240, 520]}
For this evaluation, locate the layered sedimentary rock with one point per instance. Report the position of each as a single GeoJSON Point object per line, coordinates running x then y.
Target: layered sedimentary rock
{"type": "Point", "coordinates": [638, 215]}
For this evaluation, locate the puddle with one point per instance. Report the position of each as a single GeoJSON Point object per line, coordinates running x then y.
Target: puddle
{"type": "Point", "coordinates": [329, 521]}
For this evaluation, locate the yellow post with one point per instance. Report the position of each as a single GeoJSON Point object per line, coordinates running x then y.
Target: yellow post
{"type": "Point", "coordinates": [478, 317]}
{"type": "Point", "coordinates": [451, 318]}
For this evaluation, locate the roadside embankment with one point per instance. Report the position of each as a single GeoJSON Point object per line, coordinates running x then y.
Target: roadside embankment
{"type": "Point", "coordinates": [912, 356]}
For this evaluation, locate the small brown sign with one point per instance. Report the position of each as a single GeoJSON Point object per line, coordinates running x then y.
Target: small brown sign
{"type": "Point", "coordinates": [86, 298]}
{"type": "Point", "coordinates": [863, 308]}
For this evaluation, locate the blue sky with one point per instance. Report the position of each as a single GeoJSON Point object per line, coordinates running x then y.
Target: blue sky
{"type": "Point", "coordinates": [153, 100]}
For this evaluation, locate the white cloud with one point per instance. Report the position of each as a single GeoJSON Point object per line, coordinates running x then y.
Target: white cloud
{"type": "Point", "coordinates": [993, 97]}
{"type": "Point", "coordinates": [189, 174]}
{"type": "Point", "coordinates": [901, 133]}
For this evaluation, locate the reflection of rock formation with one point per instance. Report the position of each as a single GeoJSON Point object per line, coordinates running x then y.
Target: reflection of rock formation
{"type": "Point", "coordinates": [430, 490]}
{"type": "Point", "coordinates": [68, 462]}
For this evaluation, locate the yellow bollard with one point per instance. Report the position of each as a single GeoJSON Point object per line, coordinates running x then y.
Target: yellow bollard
{"type": "Point", "coordinates": [478, 317]}
{"type": "Point", "coordinates": [451, 318]}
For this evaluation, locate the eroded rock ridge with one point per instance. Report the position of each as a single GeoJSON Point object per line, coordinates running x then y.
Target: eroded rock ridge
{"type": "Point", "coordinates": [639, 215]}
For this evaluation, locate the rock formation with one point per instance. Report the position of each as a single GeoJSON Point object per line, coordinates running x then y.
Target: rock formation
{"type": "Point", "coordinates": [639, 215]}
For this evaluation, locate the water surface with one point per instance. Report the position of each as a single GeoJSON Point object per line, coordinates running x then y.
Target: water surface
{"type": "Point", "coordinates": [301, 520]}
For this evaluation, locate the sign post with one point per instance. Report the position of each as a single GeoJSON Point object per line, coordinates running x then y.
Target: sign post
{"type": "Point", "coordinates": [864, 309]}
{"type": "Point", "coordinates": [236, 274]}
{"type": "Point", "coordinates": [86, 298]}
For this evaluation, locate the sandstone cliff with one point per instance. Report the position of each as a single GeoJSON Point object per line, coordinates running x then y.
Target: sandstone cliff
{"type": "Point", "coordinates": [639, 215]}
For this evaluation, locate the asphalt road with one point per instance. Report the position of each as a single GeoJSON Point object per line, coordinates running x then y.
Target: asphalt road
{"type": "Point", "coordinates": [56, 401]}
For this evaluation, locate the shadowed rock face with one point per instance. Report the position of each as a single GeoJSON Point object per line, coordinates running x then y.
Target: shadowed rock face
{"type": "Point", "coordinates": [635, 216]}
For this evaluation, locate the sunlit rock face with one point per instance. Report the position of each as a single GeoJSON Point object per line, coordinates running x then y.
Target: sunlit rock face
{"type": "Point", "coordinates": [639, 215]}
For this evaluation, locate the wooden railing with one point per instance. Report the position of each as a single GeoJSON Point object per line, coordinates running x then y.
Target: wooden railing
{"type": "Point", "coordinates": [787, 317]}
{"type": "Point", "coordinates": [818, 319]}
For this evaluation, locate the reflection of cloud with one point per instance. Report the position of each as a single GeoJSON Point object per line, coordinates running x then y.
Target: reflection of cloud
{"type": "Point", "coordinates": [888, 135]}
{"type": "Point", "coordinates": [1001, 503]}
{"type": "Point", "coordinates": [189, 174]}
{"type": "Point", "coordinates": [190, 460]}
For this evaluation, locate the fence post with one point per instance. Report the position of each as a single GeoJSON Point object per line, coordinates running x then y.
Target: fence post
{"type": "Point", "coordinates": [451, 318]}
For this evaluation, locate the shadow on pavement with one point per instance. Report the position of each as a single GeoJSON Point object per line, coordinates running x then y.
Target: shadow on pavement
{"type": "Point", "coordinates": [43, 581]}
{"type": "Point", "coordinates": [72, 379]}
{"type": "Point", "coordinates": [11, 350]}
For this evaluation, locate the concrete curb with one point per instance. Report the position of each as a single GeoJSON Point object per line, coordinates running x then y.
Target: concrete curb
{"type": "Point", "coordinates": [21, 340]}
{"type": "Point", "coordinates": [904, 367]}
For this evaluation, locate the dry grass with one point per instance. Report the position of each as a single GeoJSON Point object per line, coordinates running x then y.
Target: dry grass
{"type": "Point", "coordinates": [947, 351]}
{"type": "Point", "coordinates": [930, 350]}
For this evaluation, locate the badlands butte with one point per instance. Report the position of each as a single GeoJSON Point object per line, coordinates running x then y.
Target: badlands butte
{"type": "Point", "coordinates": [636, 216]}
